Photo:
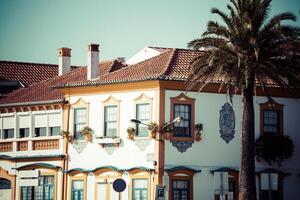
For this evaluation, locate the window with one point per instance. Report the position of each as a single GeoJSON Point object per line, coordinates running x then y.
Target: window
{"type": "Point", "coordinates": [54, 130]}
{"type": "Point", "coordinates": [271, 118]}
{"type": "Point", "coordinates": [79, 122]}
{"type": "Point", "coordinates": [271, 121]}
{"type": "Point", "coordinates": [269, 186]}
{"type": "Point", "coordinates": [40, 132]}
{"type": "Point", "coordinates": [8, 133]}
{"type": "Point", "coordinates": [140, 189]}
{"type": "Point", "coordinates": [45, 190]}
{"type": "Point", "coordinates": [226, 185]}
{"type": "Point", "coordinates": [110, 121]}
{"type": "Point", "coordinates": [4, 184]}
{"type": "Point", "coordinates": [180, 189]}
{"type": "Point", "coordinates": [183, 128]}
{"type": "Point", "coordinates": [143, 115]}
{"type": "Point", "coordinates": [181, 184]}
{"type": "Point", "coordinates": [23, 132]}
{"type": "Point", "coordinates": [77, 190]}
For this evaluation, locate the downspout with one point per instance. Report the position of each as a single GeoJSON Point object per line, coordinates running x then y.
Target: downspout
{"type": "Point", "coordinates": [66, 160]}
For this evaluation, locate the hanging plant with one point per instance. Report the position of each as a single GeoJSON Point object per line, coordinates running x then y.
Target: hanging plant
{"type": "Point", "coordinates": [274, 149]}
{"type": "Point", "coordinates": [66, 135]}
{"type": "Point", "coordinates": [131, 133]}
{"type": "Point", "coordinates": [87, 132]}
{"type": "Point", "coordinates": [153, 128]}
{"type": "Point", "coordinates": [198, 131]}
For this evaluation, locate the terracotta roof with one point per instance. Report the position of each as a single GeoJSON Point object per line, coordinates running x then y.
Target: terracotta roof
{"type": "Point", "coordinates": [27, 73]}
{"type": "Point", "coordinates": [171, 65]}
{"type": "Point", "coordinates": [43, 90]}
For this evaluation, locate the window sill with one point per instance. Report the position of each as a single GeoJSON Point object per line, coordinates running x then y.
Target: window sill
{"type": "Point", "coordinates": [108, 140]}
{"type": "Point", "coordinates": [188, 139]}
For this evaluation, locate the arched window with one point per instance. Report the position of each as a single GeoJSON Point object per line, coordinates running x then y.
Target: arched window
{"type": "Point", "coordinates": [4, 184]}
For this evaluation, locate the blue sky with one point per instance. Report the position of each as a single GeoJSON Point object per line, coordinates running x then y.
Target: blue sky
{"type": "Point", "coordinates": [33, 30]}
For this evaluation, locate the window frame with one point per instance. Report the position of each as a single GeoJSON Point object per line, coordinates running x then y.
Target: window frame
{"type": "Point", "coordinates": [232, 175]}
{"type": "Point", "coordinates": [181, 174]}
{"type": "Point", "coordinates": [106, 121]}
{"type": "Point", "coordinates": [77, 176]}
{"type": "Point", "coordinates": [110, 101]}
{"type": "Point", "coordinates": [80, 137]}
{"type": "Point", "coordinates": [80, 103]}
{"type": "Point", "coordinates": [182, 99]}
{"type": "Point", "coordinates": [142, 99]}
{"type": "Point", "coordinates": [8, 138]}
{"type": "Point", "coordinates": [272, 105]}
{"type": "Point", "coordinates": [280, 183]}
{"type": "Point", "coordinates": [140, 174]}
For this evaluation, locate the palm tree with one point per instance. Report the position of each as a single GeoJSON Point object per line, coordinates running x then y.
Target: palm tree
{"type": "Point", "coordinates": [247, 51]}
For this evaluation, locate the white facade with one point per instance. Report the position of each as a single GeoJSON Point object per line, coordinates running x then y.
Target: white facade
{"type": "Point", "coordinates": [212, 152]}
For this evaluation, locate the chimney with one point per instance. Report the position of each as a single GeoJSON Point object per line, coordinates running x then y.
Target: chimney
{"type": "Point", "coordinates": [64, 60]}
{"type": "Point", "coordinates": [93, 71]}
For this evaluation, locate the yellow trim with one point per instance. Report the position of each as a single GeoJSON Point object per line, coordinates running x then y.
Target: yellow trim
{"type": "Point", "coordinates": [49, 172]}
{"type": "Point", "coordinates": [81, 177]}
{"type": "Point", "coordinates": [12, 178]}
{"type": "Point", "coordinates": [80, 103]}
{"type": "Point", "coordinates": [140, 174]}
{"type": "Point", "coordinates": [110, 88]}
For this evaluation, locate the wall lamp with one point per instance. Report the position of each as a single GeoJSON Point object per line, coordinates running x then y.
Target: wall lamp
{"type": "Point", "coordinates": [176, 120]}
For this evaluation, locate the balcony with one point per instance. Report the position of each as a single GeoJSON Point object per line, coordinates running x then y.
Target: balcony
{"type": "Point", "coordinates": [31, 144]}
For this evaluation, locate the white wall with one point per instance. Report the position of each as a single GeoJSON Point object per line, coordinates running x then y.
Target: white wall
{"type": "Point", "coordinates": [127, 155]}
{"type": "Point", "coordinates": [142, 55]}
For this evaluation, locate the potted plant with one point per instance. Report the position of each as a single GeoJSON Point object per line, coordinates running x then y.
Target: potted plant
{"type": "Point", "coordinates": [198, 130]}
{"type": "Point", "coordinates": [168, 132]}
{"type": "Point", "coordinates": [66, 135]}
{"type": "Point", "coordinates": [153, 128]}
{"type": "Point", "coordinates": [131, 133]}
{"type": "Point", "coordinates": [274, 148]}
{"type": "Point", "coordinates": [87, 132]}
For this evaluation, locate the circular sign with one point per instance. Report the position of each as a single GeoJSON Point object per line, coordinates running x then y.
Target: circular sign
{"type": "Point", "coordinates": [119, 185]}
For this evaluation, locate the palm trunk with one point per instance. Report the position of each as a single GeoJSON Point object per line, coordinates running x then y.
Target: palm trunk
{"type": "Point", "coordinates": [247, 186]}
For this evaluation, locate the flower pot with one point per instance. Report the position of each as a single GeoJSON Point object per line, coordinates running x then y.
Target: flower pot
{"type": "Point", "coordinates": [130, 136]}
{"type": "Point", "coordinates": [198, 137]}
{"type": "Point", "coordinates": [88, 137]}
{"type": "Point", "coordinates": [168, 135]}
{"type": "Point", "coordinates": [153, 134]}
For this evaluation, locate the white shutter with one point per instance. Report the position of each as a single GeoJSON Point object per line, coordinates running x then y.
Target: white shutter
{"type": "Point", "coordinates": [40, 120]}
{"type": "Point", "coordinates": [274, 181]}
{"type": "Point", "coordinates": [24, 121]}
{"type": "Point", "coordinates": [101, 191]}
{"type": "Point", "coordinates": [264, 181]}
{"type": "Point", "coordinates": [8, 122]}
{"type": "Point", "coordinates": [54, 119]}
{"type": "Point", "coordinates": [221, 182]}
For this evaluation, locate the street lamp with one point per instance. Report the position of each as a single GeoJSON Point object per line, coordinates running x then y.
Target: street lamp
{"type": "Point", "coordinates": [176, 120]}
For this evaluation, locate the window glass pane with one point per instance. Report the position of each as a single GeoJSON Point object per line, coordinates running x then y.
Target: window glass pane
{"type": "Point", "coordinates": [180, 189]}
{"type": "Point", "coordinates": [23, 132]}
{"type": "Point", "coordinates": [54, 130]}
{"type": "Point", "coordinates": [271, 121]}
{"type": "Point", "coordinates": [41, 131]}
{"type": "Point", "coordinates": [183, 128]}
{"type": "Point", "coordinates": [140, 189]}
{"type": "Point", "coordinates": [79, 122]}
{"type": "Point", "coordinates": [4, 183]}
{"type": "Point", "coordinates": [143, 115]}
{"type": "Point", "coordinates": [8, 133]}
{"type": "Point", "coordinates": [110, 121]}
{"type": "Point", "coordinates": [77, 190]}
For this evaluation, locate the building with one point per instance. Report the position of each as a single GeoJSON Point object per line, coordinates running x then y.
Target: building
{"type": "Point", "coordinates": [198, 160]}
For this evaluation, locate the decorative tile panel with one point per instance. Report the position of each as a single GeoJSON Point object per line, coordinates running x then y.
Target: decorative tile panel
{"type": "Point", "coordinates": [227, 122]}
{"type": "Point", "coordinates": [79, 145]}
{"type": "Point", "coordinates": [142, 144]}
{"type": "Point", "coordinates": [182, 146]}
